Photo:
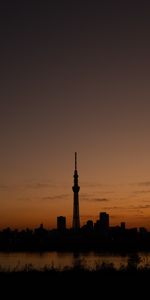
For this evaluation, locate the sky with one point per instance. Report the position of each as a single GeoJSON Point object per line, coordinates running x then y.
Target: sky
{"type": "Point", "coordinates": [74, 76]}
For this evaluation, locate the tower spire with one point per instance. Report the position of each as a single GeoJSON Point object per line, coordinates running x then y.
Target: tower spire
{"type": "Point", "coordinates": [75, 160]}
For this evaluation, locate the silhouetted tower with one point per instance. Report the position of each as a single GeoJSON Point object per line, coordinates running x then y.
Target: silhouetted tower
{"type": "Point", "coordinates": [76, 188]}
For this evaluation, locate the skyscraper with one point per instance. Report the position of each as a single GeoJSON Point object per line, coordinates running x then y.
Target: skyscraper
{"type": "Point", "coordinates": [61, 223]}
{"type": "Point", "coordinates": [104, 222]}
{"type": "Point", "coordinates": [76, 188]}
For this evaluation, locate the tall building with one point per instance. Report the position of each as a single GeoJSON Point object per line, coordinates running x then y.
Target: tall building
{"type": "Point", "coordinates": [76, 188]}
{"type": "Point", "coordinates": [89, 225]}
{"type": "Point", "coordinates": [104, 221]}
{"type": "Point", "coordinates": [61, 223]}
{"type": "Point", "coordinates": [123, 226]}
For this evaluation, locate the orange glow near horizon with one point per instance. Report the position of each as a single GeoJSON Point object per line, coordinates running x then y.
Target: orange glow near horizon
{"type": "Point", "coordinates": [36, 203]}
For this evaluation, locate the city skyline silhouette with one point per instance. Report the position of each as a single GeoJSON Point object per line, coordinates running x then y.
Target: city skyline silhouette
{"type": "Point", "coordinates": [73, 221]}
{"type": "Point", "coordinates": [101, 226]}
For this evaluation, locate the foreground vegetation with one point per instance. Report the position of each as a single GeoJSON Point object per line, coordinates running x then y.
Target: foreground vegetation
{"type": "Point", "coordinates": [133, 266]}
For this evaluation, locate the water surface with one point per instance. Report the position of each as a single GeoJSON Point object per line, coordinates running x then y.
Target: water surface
{"type": "Point", "coordinates": [66, 259]}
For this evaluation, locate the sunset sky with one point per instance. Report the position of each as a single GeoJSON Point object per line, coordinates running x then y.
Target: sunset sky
{"type": "Point", "coordinates": [74, 76]}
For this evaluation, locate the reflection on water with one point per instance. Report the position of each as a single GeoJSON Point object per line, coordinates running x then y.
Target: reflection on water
{"type": "Point", "coordinates": [66, 259]}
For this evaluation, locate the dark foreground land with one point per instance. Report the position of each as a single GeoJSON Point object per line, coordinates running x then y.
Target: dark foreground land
{"type": "Point", "coordinates": [75, 286]}
{"type": "Point", "coordinates": [78, 283]}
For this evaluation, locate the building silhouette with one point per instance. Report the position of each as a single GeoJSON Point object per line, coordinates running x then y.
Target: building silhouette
{"type": "Point", "coordinates": [89, 225]}
{"type": "Point", "coordinates": [61, 223]}
{"type": "Point", "coordinates": [123, 226]}
{"type": "Point", "coordinates": [76, 188]}
{"type": "Point", "coordinates": [104, 222]}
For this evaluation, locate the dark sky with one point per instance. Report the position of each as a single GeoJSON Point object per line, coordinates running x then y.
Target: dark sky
{"type": "Point", "coordinates": [74, 77]}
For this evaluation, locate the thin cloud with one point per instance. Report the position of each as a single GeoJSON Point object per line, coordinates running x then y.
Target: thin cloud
{"type": "Point", "coordinates": [131, 207]}
{"type": "Point", "coordinates": [113, 207]}
{"type": "Point", "coordinates": [86, 197]}
{"type": "Point", "coordinates": [95, 185]}
{"type": "Point", "coordinates": [100, 200]}
{"type": "Point", "coordinates": [138, 207]}
{"type": "Point", "coordinates": [144, 183]}
{"type": "Point", "coordinates": [55, 197]}
{"type": "Point", "coordinates": [38, 185]}
{"type": "Point", "coordinates": [91, 199]}
{"type": "Point", "coordinates": [142, 192]}
{"type": "Point", "coordinates": [24, 199]}
{"type": "Point", "coordinates": [142, 206]}
{"type": "Point", "coordinates": [9, 187]}
{"type": "Point", "coordinates": [4, 187]}
{"type": "Point", "coordinates": [34, 186]}
{"type": "Point", "coordinates": [142, 216]}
